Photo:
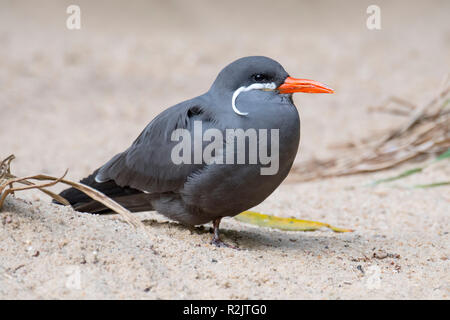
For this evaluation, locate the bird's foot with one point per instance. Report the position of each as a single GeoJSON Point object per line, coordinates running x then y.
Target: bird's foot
{"type": "Point", "coordinates": [220, 244]}
{"type": "Point", "coordinates": [216, 238]}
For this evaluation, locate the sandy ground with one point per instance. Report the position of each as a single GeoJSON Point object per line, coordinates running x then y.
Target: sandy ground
{"type": "Point", "coordinates": [72, 99]}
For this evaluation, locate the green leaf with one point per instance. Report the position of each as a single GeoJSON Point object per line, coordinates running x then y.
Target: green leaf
{"type": "Point", "coordinates": [400, 176]}
{"type": "Point", "coordinates": [409, 172]}
{"type": "Point", "coordinates": [289, 224]}
{"type": "Point", "coordinates": [443, 156]}
{"type": "Point", "coordinates": [432, 185]}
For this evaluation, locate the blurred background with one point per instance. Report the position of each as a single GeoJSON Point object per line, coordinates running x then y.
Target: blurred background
{"type": "Point", "coordinates": [74, 98]}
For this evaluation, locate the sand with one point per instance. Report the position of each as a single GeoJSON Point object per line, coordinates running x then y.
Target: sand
{"type": "Point", "coordinates": [73, 99]}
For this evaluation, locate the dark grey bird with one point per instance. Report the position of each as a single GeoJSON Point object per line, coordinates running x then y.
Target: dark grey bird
{"type": "Point", "coordinates": [251, 93]}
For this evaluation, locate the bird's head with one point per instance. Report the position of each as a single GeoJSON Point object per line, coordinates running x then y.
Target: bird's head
{"type": "Point", "coordinates": [262, 73]}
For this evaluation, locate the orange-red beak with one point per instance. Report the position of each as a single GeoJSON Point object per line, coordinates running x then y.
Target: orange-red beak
{"type": "Point", "coordinates": [292, 85]}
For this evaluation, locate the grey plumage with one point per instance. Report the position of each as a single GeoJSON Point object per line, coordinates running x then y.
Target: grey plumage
{"type": "Point", "coordinates": [143, 177]}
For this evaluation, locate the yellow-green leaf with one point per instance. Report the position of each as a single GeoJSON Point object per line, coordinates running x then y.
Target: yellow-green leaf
{"type": "Point", "coordinates": [289, 224]}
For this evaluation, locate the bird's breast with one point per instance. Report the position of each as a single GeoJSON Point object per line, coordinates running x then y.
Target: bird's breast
{"type": "Point", "coordinates": [253, 172]}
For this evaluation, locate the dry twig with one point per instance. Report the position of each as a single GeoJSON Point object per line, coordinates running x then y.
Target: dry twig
{"type": "Point", "coordinates": [426, 131]}
{"type": "Point", "coordinates": [6, 187]}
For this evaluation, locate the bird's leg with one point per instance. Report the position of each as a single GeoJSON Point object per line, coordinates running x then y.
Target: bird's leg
{"type": "Point", "coordinates": [216, 238]}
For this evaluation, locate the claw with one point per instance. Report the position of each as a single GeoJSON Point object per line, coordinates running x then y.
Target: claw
{"type": "Point", "coordinates": [216, 238]}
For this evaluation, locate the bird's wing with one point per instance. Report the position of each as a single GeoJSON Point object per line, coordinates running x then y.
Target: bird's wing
{"type": "Point", "coordinates": [147, 164]}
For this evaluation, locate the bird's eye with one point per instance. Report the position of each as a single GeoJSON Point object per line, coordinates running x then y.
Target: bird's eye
{"type": "Point", "coordinates": [259, 77]}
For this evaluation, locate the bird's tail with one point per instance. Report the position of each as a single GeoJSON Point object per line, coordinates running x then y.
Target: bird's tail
{"type": "Point", "coordinates": [132, 199]}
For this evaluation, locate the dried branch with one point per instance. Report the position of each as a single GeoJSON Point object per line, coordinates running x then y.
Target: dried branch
{"type": "Point", "coordinates": [425, 132]}
{"type": "Point", "coordinates": [6, 188]}
{"type": "Point", "coordinates": [30, 186]}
